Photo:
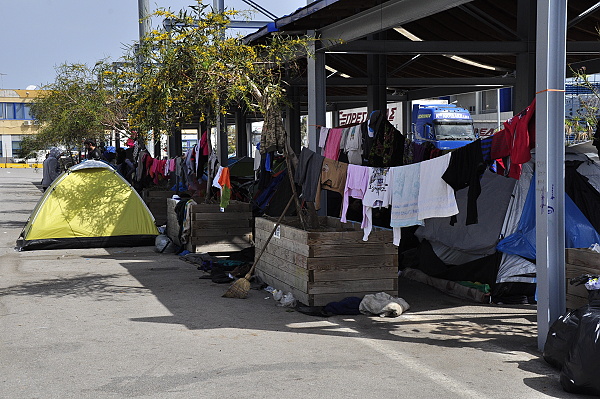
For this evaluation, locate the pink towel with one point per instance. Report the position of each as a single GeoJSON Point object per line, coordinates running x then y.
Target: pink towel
{"type": "Point", "coordinates": [332, 147]}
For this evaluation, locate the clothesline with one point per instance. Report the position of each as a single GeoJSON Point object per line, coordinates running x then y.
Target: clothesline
{"type": "Point", "coordinates": [431, 194]}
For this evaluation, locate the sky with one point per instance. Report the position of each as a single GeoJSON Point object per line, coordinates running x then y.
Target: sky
{"type": "Point", "coordinates": [39, 35]}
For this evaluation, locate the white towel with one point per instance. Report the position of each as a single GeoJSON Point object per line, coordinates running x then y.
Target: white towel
{"type": "Point", "coordinates": [436, 197]}
{"type": "Point", "coordinates": [405, 195]}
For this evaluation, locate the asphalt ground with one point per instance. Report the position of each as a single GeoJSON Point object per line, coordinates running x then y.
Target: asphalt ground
{"type": "Point", "coordinates": [129, 322]}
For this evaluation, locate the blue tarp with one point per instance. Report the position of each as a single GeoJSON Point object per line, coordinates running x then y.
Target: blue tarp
{"type": "Point", "coordinates": [579, 232]}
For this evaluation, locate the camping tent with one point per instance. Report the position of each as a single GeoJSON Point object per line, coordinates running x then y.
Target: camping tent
{"type": "Point", "coordinates": [89, 206]}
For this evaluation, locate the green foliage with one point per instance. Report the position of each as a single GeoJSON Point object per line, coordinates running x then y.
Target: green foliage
{"type": "Point", "coordinates": [77, 106]}
{"type": "Point", "coordinates": [589, 103]}
{"type": "Point", "coordinates": [196, 72]}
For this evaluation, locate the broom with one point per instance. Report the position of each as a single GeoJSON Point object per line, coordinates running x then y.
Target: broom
{"type": "Point", "coordinates": [241, 287]}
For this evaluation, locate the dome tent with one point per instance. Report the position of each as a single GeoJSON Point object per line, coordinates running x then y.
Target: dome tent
{"type": "Point", "coordinates": [88, 206]}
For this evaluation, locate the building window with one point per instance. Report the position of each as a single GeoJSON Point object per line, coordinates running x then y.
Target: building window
{"type": "Point", "coordinates": [489, 101]}
{"type": "Point", "coordinates": [16, 111]}
{"type": "Point", "coordinates": [19, 111]}
{"type": "Point", "coordinates": [188, 144]}
{"type": "Point", "coordinates": [16, 146]}
{"type": "Point", "coordinates": [9, 111]}
{"type": "Point", "coordinates": [27, 112]}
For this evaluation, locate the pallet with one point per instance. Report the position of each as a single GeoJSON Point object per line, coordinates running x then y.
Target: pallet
{"type": "Point", "coordinates": [578, 262]}
{"type": "Point", "coordinates": [327, 265]}
{"type": "Point", "coordinates": [156, 200]}
{"type": "Point", "coordinates": [213, 230]}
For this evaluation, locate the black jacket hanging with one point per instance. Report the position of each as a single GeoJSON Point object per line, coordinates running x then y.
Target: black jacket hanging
{"type": "Point", "coordinates": [387, 148]}
{"type": "Point", "coordinates": [465, 169]}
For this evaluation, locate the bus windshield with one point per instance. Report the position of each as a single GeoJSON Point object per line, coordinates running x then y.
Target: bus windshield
{"type": "Point", "coordinates": [454, 130]}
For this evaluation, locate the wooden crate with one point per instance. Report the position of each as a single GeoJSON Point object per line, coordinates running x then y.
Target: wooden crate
{"type": "Point", "coordinates": [578, 262]}
{"type": "Point", "coordinates": [327, 265]}
{"type": "Point", "coordinates": [156, 200]}
{"type": "Point", "coordinates": [213, 230]}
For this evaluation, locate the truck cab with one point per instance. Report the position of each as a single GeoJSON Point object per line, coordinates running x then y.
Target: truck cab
{"type": "Point", "coordinates": [446, 126]}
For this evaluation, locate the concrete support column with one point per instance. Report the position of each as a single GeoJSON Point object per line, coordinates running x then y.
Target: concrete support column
{"type": "Point", "coordinates": [316, 94]}
{"type": "Point", "coordinates": [316, 102]}
{"type": "Point", "coordinates": [292, 119]}
{"type": "Point", "coordinates": [175, 148]}
{"type": "Point", "coordinates": [377, 73]}
{"type": "Point", "coordinates": [406, 118]}
{"type": "Point", "coordinates": [241, 133]}
{"type": "Point", "coordinates": [222, 150]}
{"type": "Point", "coordinates": [335, 115]}
{"type": "Point", "coordinates": [549, 165]}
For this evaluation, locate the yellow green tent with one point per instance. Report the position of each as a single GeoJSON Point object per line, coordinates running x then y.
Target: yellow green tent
{"type": "Point", "coordinates": [89, 206]}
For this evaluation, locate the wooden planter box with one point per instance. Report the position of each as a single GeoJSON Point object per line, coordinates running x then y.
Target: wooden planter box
{"type": "Point", "coordinates": [327, 265]}
{"type": "Point", "coordinates": [578, 262]}
{"type": "Point", "coordinates": [156, 200]}
{"type": "Point", "coordinates": [213, 230]}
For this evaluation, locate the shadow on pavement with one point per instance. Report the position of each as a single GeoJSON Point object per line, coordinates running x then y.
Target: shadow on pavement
{"type": "Point", "coordinates": [434, 319]}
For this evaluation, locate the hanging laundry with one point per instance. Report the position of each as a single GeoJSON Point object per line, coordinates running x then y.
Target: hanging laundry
{"type": "Point", "coordinates": [486, 149]}
{"type": "Point", "coordinates": [523, 135]}
{"type": "Point", "coordinates": [388, 145]}
{"type": "Point", "coordinates": [257, 159]}
{"type": "Point", "coordinates": [436, 197]}
{"type": "Point", "coordinates": [344, 139]}
{"type": "Point", "coordinates": [353, 145]}
{"type": "Point", "coordinates": [513, 144]}
{"type": "Point", "coordinates": [190, 160]}
{"type": "Point", "coordinates": [308, 173]}
{"type": "Point", "coordinates": [356, 186]}
{"type": "Point", "coordinates": [323, 133]}
{"type": "Point", "coordinates": [332, 147]}
{"type": "Point", "coordinates": [464, 170]}
{"type": "Point", "coordinates": [272, 137]}
{"type": "Point", "coordinates": [408, 152]}
{"type": "Point", "coordinates": [377, 195]}
{"type": "Point", "coordinates": [204, 147]}
{"type": "Point", "coordinates": [225, 183]}
{"type": "Point", "coordinates": [405, 185]}
{"type": "Point", "coordinates": [333, 178]}
{"type": "Point", "coordinates": [215, 182]}
{"type": "Point", "coordinates": [420, 152]}
{"type": "Point", "coordinates": [368, 138]}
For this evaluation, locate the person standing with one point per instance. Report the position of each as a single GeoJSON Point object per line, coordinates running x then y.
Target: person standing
{"type": "Point", "coordinates": [92, 152]}
{"type": "Point", "coordinates": [596, 141]}
{"type": "Point", "coordinates": [51, 168]}
{"type": "Point", "coordinates": [124, 165]}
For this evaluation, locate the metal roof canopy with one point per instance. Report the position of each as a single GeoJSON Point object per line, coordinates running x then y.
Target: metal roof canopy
{"type": "Point", "coordinates": [488, 33]}
{"type": "Point", "coordinates": [421, 61]}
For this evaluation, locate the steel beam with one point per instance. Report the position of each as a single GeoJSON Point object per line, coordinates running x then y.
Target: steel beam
{"type": "Point", "coordinates": [430, 47]}
{"type": "Point", "coordinates": [488, 20]}
{"type": "Point", "coordinates": [417, 82]}
{"type": "Point", "coordinates": [550, 155]}
{"type": "Point", "coordinates": [429, 92]}
{"type": "Point", "coordinates": [247, 24]}
{"type": "Point", "coordinates": [388, 15]}
{"type": "Point", "coordinates": [583, 48]}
